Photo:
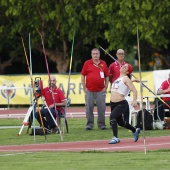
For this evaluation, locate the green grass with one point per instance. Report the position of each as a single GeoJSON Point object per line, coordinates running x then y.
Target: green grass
{"type": "Point", "coordinates": [86, 160]}
{"type": "Point", "coordinates": [76, 133]}
{"type": "Point", "coordinates": [153, 160]}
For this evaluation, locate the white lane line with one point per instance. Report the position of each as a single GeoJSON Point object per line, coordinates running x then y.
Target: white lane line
{"type": "Point", "coordinates": [13, 154]}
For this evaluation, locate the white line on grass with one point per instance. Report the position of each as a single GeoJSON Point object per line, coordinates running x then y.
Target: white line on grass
{"type": "Point", "coordinates": [13, 154]}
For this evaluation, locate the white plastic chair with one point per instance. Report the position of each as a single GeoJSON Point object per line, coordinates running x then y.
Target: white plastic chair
{"type": "Point", "coordinates": [133, 112]}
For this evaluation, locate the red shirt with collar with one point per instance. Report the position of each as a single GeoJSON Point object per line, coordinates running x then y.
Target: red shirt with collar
{"type": "Point", "coordinates": [114, 70]}
{"type": "Point", "coordinates": [164, 86]}
{"type": "Point", "coordinates": [58, 96]}
{"type": "Point", "coordinates": [94, 81]}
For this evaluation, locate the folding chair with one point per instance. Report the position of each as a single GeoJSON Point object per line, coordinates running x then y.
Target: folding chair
{"type": "Point", "coordinates": [161, 115]}
{"type": "Point", "coordinates": [133, 112]}
{"type": "Point", "coordinates": [62, 113]}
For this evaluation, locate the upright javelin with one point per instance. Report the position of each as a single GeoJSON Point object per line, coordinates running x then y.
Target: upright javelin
{"type": "Point", "coordinates": [141, 90]}
{"type": "Point", "coordinates": [69, 75]}
{"type": "Point", "coordinates": [72, 49]}
{"type": "Point", "coordinates": [53, 97]}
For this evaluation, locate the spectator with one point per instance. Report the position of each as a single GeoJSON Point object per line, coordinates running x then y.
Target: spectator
{"type": "Point", "coordinates": [164, 89]}
{"type": "Point", "coordinates": [114, 68]}
{"type": "Point", "coordinates": [114, 73]}
{"type": "Point", "coordinates": [119, 90]}
{"type": "Point", "coordinates": [95, 78]}
{"type": "Point", "coordinates": [59, 100]}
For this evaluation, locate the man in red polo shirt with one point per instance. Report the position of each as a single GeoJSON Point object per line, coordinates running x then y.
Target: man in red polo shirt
{"type": "Point", "coordinates": [114, 68]}
{"type": "Point", "coordinates": [164, 89]}
{"type": "Point", "coordinates": [95, 78]}
{"type": "Point", "coordinates": [54, 97]}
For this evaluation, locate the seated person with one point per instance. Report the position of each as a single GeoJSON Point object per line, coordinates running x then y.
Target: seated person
{"type": "Point", "coordinates": [59, 100]}
{"type": "Point", "coordinates": [164, 89]}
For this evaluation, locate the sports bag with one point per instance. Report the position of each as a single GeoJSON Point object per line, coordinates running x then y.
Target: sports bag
{"type": "Point", "coordinates": [148, 120]}
{"type": "Point", "coordinates": [39, 131]}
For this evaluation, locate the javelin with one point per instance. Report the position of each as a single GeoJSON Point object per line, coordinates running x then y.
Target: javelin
{"type": "Point", "coordinates": [141, 82]}
{"type": "Point", "coordinates": [70, 65]}
{"type": "Point", "coordinates": [30, 72]}
{"type": "Point", "coordinates": [53, 97]}
{"type": "Point", "coordinates": [69, 75]}
{"type": "Point", "coordinates": [39, 112]}
{"type": "Point", "coordinates": [141, 90]}
{"type": "Point", "coordinates": [154, 94]}
{"type": "Point", "coordinates": [26, 59]}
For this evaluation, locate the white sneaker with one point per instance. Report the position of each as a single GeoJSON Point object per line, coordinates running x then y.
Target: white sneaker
{"type": "Point", "coordinates": [114, 140]}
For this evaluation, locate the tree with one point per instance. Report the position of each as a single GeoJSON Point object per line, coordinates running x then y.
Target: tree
{"type": "Point", "coordinates": [152, 18]}
{"type": "Point", "coordinates": [96, 22]}
{"type": "Point", "coordinates": [55, 22]}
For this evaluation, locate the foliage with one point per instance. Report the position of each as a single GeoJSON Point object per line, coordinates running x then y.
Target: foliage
{"type": "Point", "coordinates": [112, 24]}
{"type": "Point", "coordinates": [122, 20]}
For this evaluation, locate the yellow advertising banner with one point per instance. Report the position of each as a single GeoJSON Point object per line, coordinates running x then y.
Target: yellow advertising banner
{"type": "Point", "coordinates": [16, 89]}
{"type": "Point", "coordinates": [148, 80]}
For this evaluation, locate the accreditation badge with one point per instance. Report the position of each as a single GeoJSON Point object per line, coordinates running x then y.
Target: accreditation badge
{"type": "Point", "coordinates": [101, 74]}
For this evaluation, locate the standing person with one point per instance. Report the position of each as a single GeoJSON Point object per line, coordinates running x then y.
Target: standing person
{"type": "Point", "coordinates": [58, 101]}
{"type": "Point", "coordinates": [95, 78]}
{"type": "Point", "coordinates": [114, 73]}
{"type": "Point", "coordinates": [114, 68]}
{"type": "Point", "coordinates": [119, 90]}
{"type": "Point", "coordinates": [164, 89]}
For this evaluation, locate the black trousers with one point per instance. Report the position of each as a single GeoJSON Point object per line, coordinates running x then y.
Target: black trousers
{"type": "Point", "coordinates": [161, 110]}
{"type": "Point", "coordinates": [116, 116]}
{"type": "Point", "coordinates": [48, 121]}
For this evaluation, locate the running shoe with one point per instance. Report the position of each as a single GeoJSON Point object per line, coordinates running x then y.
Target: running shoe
{"type": "Point", "coordinates": [136, 134]}
{"type": "Point", "coordinates": [114, 140]}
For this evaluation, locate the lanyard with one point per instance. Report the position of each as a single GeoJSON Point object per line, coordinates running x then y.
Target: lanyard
{"type": "Point", "coordinates": [97, 66]}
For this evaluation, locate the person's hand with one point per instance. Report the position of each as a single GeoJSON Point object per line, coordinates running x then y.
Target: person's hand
{"type": "Point", "coordinates": [51, 106]}
{"type": "Point", "coordinates": [104, 89]}
{"type": "Point", "coordinates": [136, 80]}
{"type": "Point", "coordinates": [85, 89]}
{"type": "Point", "coordinates": [168, 89]}
{"type": "Point", "coordinates": [134, 104]}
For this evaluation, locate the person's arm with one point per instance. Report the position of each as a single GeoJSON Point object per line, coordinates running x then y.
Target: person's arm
{"type": "Point", "coordinates": [61, 104]}
{"type": "Point", "coordinates": [106, 83]}
{"type": "Point", "coordinates": [131, 86]}
{"type": "Point", "coordinates": [110, 74]}
{"type": "Point", "coordinates": [110, 78]}
{"type": "Point", "coordinates": [83, 82]}
{"type": "Point", "coordinates": [135, 80]}
{"type": "Point", "coordinates": [160, 91]}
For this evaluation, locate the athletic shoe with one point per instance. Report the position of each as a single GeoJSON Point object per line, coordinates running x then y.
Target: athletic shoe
{"type": "Point", "coordinates": [136, 134]}
{"type": "Point", "coordinates": [114, 140]}
{"type": "Point", "coordinates": [88, 127]}
{"type": "Point", "coordinates": [103, 127]}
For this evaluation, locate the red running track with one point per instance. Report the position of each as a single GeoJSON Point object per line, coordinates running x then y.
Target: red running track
{"type": "Point", "coordinates": [72, 112]}
{"type": "Point", "coordinates": [154, 143]}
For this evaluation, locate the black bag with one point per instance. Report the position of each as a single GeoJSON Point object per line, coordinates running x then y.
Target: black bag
{"type": "Point", "coordinates": [148, 120]}
{"type": "Point", "coordinates": [39, 131]}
